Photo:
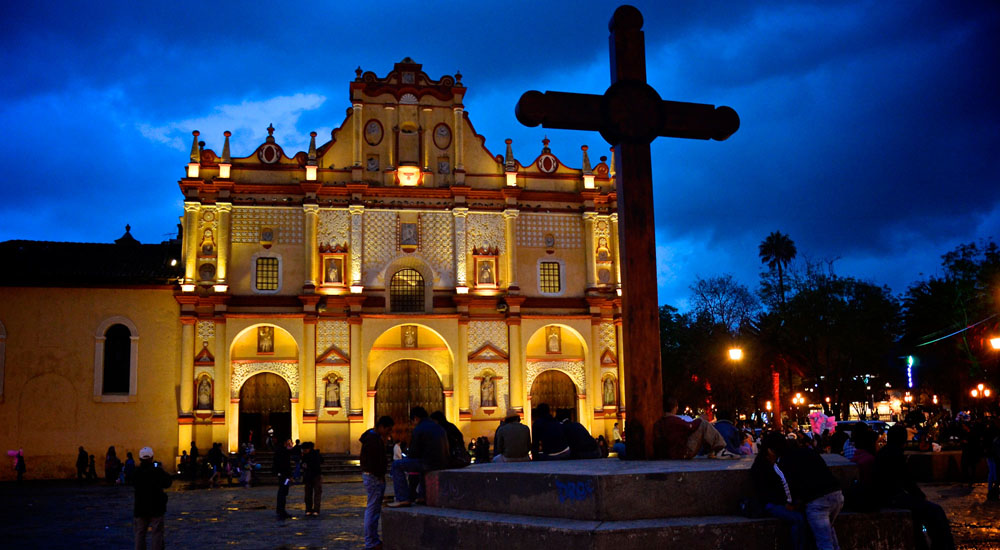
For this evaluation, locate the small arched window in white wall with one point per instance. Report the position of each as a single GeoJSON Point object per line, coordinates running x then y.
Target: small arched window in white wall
{"type": "Point", "coordinates": [116, 357]}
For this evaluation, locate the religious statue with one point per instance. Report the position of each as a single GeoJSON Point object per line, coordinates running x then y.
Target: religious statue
{"type": "Point", "coordinates": [372, 164]}
{"type": "Point", "coordinates": [409, 336]}
{"type": "Point", "coordinates": [603, 254]}
{"type": "Point", "coordinates": [265, 339]}
{"type": "Point", "coordinates": [333, 271]}
{"type": "Point", "coordinates": [408, 234]}
{"type": "Point", "coordinates": [333, 393]}
{"type": "Point", "coordinates": [207, 244]}
{"type": "Point", "coordinates": [553, 339]}
{"type": "Point", "coordinates": [609, 391]}
{"type": "Point", "coordinates": [488, 392]}
{"type": "Point", "coordinates": [204, 394]}
{"type": "Point", "coordinates": [486, 272]}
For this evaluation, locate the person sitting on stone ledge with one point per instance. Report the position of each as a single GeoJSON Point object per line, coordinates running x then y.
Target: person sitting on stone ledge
{"type": "Point", "coordinates": [728, 431]}
{"type": "Point", "coordinates": [428, 451]}
{"type": "Point", "coordinates": [675, 438]}
{"type": "Point", "coordinates": [771, 489]}
{"type": "Point", "coordinates": [512, 441]}
{"type": "Point", "coordinates": [897, 489]}
{"type": "Point", "coordinates": [550, 440]}
{"type": "Point", "coordinates": [581, 444]}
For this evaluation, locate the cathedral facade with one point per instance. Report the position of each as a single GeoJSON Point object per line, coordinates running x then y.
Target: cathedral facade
{"type": "Point", "coordinates": [398, 264]}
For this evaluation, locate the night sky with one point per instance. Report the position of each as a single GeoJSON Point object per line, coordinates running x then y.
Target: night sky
{"type": "Point", "coordinates": [869, 129]}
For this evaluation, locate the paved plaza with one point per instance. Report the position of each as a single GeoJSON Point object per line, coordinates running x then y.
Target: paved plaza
{"type": "Point", "coordinates": [65, 515]}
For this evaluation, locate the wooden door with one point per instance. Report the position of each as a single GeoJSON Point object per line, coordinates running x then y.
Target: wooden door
{"type": "Point", "coordinates": [404, 385]}
{"type": "Point", "coordinates": [556, 389]}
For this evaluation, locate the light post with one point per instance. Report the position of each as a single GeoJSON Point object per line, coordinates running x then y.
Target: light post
{"type": "Point", "coordinates": [798, 401]}
{"type": "Point", "coordinates": [979, 393]}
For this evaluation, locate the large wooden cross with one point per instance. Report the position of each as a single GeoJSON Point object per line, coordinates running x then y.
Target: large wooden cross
{"type": "Point", "coordinates": [630, 115]}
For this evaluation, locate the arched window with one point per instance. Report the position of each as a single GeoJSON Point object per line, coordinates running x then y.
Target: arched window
{"type": "Point", "coordinates": [406, 291]}
{"type": "Point", "coordinates": [116, 354]}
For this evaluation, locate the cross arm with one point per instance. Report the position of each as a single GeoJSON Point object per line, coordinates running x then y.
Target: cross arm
{"type": "Point", "coordinates": [564, 110]}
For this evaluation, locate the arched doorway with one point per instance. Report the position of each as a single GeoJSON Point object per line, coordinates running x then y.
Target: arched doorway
{"type": "Point", "coordinates": [404, 385]}
{"type": "Point", "coordinates": [265, 400]}
{"type": "Point", "coordinates": [556, 389]}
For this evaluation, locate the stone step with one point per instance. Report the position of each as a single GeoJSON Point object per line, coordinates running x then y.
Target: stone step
{"type": "Point", "coordinates": [424, 527]}
{"type": "Point", "coordinates": [605, 489]}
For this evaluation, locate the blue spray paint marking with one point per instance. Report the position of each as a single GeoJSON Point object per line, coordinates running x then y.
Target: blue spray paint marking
{"type": "Point", "coordinates": [574, 490]}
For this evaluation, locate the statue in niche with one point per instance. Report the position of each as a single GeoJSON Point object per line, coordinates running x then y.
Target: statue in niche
{"type": "Point", "coordinates": [265, 339]}
{"type": "Point", "coordinates": [488, 392]}
{"type": "Point", "coordinates": [603, 254]}
{"type": "Point", "coordinates": [408, 234]}
{"type": "Point", "coordinates": [409, 336]}
{"type": "Point", "coordinates": [333, 393]}
{"type": "Point", "coordinates": [371, 164]}
{"type": "Point", "coordinates": [553, 339]}
{"type": "Point", "coordinates": [486, 272]}
{"type": "Point", "coordinates": [609, 391]}
{"type": "Point", "coordinates": [207, 244]}
{"type": "Point", "coordinates": [333, 271]}
{"type": "Point", "coordinates": [204, 394]}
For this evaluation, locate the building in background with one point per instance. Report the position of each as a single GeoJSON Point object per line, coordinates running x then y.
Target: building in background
{"type": "Point", "coordinates": [399, 264]}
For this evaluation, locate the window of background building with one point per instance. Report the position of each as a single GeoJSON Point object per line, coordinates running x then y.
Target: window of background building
{"type": "Point", "coordinates": [267, 274]}
{"type": "Point", "coordinates": [117, 356]}
{"type": "Point", "coordinates": [406, 291]}
{"type": "Point", "coordinates": [548, 277]}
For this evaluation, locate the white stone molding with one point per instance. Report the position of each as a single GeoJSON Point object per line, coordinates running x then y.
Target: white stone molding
{"type": "Point", "coordinates": [243, 370]}
{"type": "Point", "coordinates": [461, 215]}
{"type": "Point", "coordinates": [437, 246]}
{"type": "Point", "coordinates": [487, 332]}
{"type": "Point", "coordinates": [486, 231]}
{"type": "Point", "coordinates": [288, 224]}
{"type": "Point", "coordinates": [99, 339]}
{"type": "Point", "coordinates": [334, 227]}
{"type": "Point", "coordinates": [566, 228]}
{"type": "Point", "coordinates": [357, 244]}
{"type": "Point", "coordinates": [574, 369]}
{"type": "Point", "coordinates": [206, 332]}
{"type": "Point", "coordinates": [608, 336]}
{"type": "Point", "coordinates": [380, 245]}
{"type": "Point", "coordinates": [333, 334]}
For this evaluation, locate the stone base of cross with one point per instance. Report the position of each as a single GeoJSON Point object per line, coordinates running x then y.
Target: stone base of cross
{"type": "Point", "coordinates": [630, 115]}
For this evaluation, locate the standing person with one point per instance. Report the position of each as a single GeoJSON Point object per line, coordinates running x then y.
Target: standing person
{"type": "Point", "coordinates": [282, 467]}
{"type": "Point", "coordinates": [150, 500]}
{"type": "Point", "coordinates": [81, 464]}
{"type": "Point", "coordinates": [128, 469]}
{"type": "Point", "coordinates": [991, 443]}
{"type": "Point", "coordinates": [512, 440]}
{"type": "Point", "coordinates": [297, 461]}
{"type": "Point", "coordinates": [550, 440]}
{"type": "Point", "coordinates": [312, 477]}
{"type": "Point", "coordinates": [813, 488]}
{"type": "Point", "coordinates": [193, 466]}
{"type": "Point", "coordinates": [215, 459]}
{"type": "Point", "coordinates": [92, 469]}
{"type": "Point", "coordinates": [897, 489]}
{"type": "Point", "coordinates": [616, 434]}
{"type": "Point", "coordinates": [19, 466]}
{"type": "Point", "coordinates": [373, 468]}
{"type": "Point", "coordinates": [111, 465]}
{"type": "Point", "coordinates": [428, 451]}
{"type": "Point", "coordinates": [269, 441]}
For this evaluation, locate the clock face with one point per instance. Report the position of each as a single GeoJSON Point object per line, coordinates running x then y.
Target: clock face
{"type": "Point", "coordinates": [373, 132]}
{"type": "Point", "coordinates": [442, 136]}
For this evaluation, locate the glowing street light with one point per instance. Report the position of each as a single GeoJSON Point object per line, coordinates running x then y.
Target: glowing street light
{"type": "Point", "coordinates": [798, 399]}
{"type": "Point", "coordinates": [980, 391]}
{"type": "Point", "coordinates": [735, 354]}
{"type": "Point", "coordinates": [995, 342]}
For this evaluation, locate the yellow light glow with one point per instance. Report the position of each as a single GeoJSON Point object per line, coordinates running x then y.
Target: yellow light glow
{"type": "Point", "coordinates": [827, 399]}
{"type": "Point", "coordinates": [409, 176]}
{"type": "Point", "coordinates": [187, 287]}
{"type": "Point", "coordinates": [618, 291]}
{"type": "Point", "coordinates": [193, 169]}
{"type": "Point", "coordinates": [224, 171]}
{"type": "Point", "coordinates": [735, 354]}
{"type": "Point", "coordinates": [935, 400]}
{"type": "Point", "coordinates": [979, 387]}
{"type": "Point", "coordinates": [356, 289]}
{"type": "Point", "coordinates": [220, 288]}
{"type": "Point", "coordinates": [588, 182]}
{"type": "Point", "coordinates": [975, 393]}
{"type": "Point", "coordinates": [511, 179]}
{"type": "Point", "coordinates": [767, 405]}
{"type": "Point", "coordinates": [995, 342]}
{"type": "Point", "coordinates": [461, 290]}
{"type": "Point", "coordinates": [986, 392]}
{"type": "Point", "coordinates": [310, 173]}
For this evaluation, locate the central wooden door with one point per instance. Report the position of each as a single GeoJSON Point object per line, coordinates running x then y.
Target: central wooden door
{"type": "Point", "coordinates": [404, 385]}
{"type": "Point", "coordinates": [556, 389]}
{"type": "Point", "coordinates": [265, 400]}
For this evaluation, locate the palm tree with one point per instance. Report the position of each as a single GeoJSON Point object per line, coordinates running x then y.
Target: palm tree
{"type": "Point", "coordinates": [776, 251]}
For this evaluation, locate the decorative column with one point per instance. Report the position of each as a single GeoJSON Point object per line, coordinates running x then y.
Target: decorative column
{"type": "Point", "coordinates": [187, 365]}
{"type": "Point", "coordinates": [516, 363]}
{"type": "Point", "coordinates": [358, 384]}
{"type": "Point", "coordinates": [356, 211]}
{"type": "Point", "coordinates": [221, 380]}
{"type": "Point", "coordinates": [462, 369]}
{"type": "Point", "coordinates": [191, 210]}
{"type": "Point", "coordinates": [311, 220]}
{"type": "Point", "coordinates": [459, 145]}
{"type": "Point", "coordinates": [461, 284]}
{"type": "Point", "coordinates": [595, 393]}
{"type": "Point", "coordinates": [510, 230]}
{"type": "Point", "coordinates": [618, 264]}
{"type": "Point", "coordinates": [357, 134]}
{"type": "Point", "coordinates": [588, 234]}
{"type": "Point", "coordinates": [307, 374]}
{"type": "Point", "coordinates": [225, 210]}
{"type": "Point", "coordinates": [621, 365]}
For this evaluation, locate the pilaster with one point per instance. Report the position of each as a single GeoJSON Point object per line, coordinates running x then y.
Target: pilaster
{"type": "Point", "coordinates": [358, 137]}
{"type": "Point", "coordinates": [463, 401]}
{"type": "Point", "coordinates": [356, 211]}
{"type": "Point", "coordinates": [618, 263]}
{"type": "Point", "coordinates": [222, 380]}
{"type": "Point", "coordinates": [225, 210]}
{"type": "Point", "coordinates": [191, 211]}
{"type": "Point", "coordinates": [510, 230]}
{"type": "Point", "coordinates": [311, 214]}
{"type": "Point", "coordinates": [461, 272]}
{"type": "Point", "coordinates": [459, 141]}
{"type": "Point", "coordinates": [621, 365]}
{"type": "Point", "coordinates": [187, 365]}
{"type": "Point", "coordinates": [588, 234]}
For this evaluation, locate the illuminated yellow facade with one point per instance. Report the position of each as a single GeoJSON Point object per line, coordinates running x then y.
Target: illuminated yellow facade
{"type": "Point", "coordinates": [399, 263]}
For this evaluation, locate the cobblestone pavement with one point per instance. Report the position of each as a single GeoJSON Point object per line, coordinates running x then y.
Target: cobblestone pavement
{"type": "Point", "coordinates": [65, 515]}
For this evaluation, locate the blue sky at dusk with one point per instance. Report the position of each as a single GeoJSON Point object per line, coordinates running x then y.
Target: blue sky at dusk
{"type": "Point", "coordinates": [869, 129]}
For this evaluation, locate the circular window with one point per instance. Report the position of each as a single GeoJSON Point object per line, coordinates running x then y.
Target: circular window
{"type": "Point", "coordinates": [547, 163]}
{"type": "Point", "coordinates": [269, 153]}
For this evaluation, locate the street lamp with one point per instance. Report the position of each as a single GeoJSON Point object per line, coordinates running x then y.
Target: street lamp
{"type": "Point", "coordinates": [735, 354]}
{"type": "Point", "coordinates": [798, 401]}
{"type": "Point", "coordinates": [980, 392]}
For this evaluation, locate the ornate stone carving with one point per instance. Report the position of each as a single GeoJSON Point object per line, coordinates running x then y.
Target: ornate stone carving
{"type": "Point", "coordinates": [333, 334]}
{"type": "Point", "coordinates": [477, 370]}
{"type": "Point", "coordinates": [573, 369]}
{"type": "Point", "coordinates": [437, 246]}
{"type": "Point", "coordinates": [287, 224]}
{"type": "Point", "coordinates": [487, 332]}
{"type": "Point", "coordinates": [609, 338]}
{"type": "Point", "coordinates": [566, 228]}
{"type": "Point", "coordinates": [380, 245]}
{"type": "Point", "coordinates": [243, 370]}
{"type": "Point", "coordinates": [334, 227]}
{"type": "Point", "coordinates": [340, 371]}
{"type": "Point", "coordinates": [206, 332]}
{"type": "Point", "coordinates": [485, 231]}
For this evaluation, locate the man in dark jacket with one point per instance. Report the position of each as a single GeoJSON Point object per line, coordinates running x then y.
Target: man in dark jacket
{"type": "Point", "coordinates": [897, 489]}
{"type": "Point", "coordinates": [771, 489]}
{"type": "Point", "coordinates": [550, 439]}
{"type": "Point", "coordinates": [428, 451]}
{"type": "Point", "coordinates": [458, 455]}
{"type": "Point", "coordinates": [813, 488]}
{"type": "Point", "coordinates": [312, 476]}
{"type": "Point", "coordinates": [373, 466]}
{"type": "Point", "coordinates": [81, 465]}
{"type": "Point", "coordinates": [581, 443]}
{"type": "Point", "coordinates": [282, 467]}
{"type": "Point", "coordinates": [150, 501]}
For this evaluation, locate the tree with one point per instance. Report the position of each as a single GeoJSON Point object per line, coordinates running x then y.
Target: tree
{"type": "Point", "coordinates": [776, 251]}
{"type": "Point", "coordinates": [723, 301]}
